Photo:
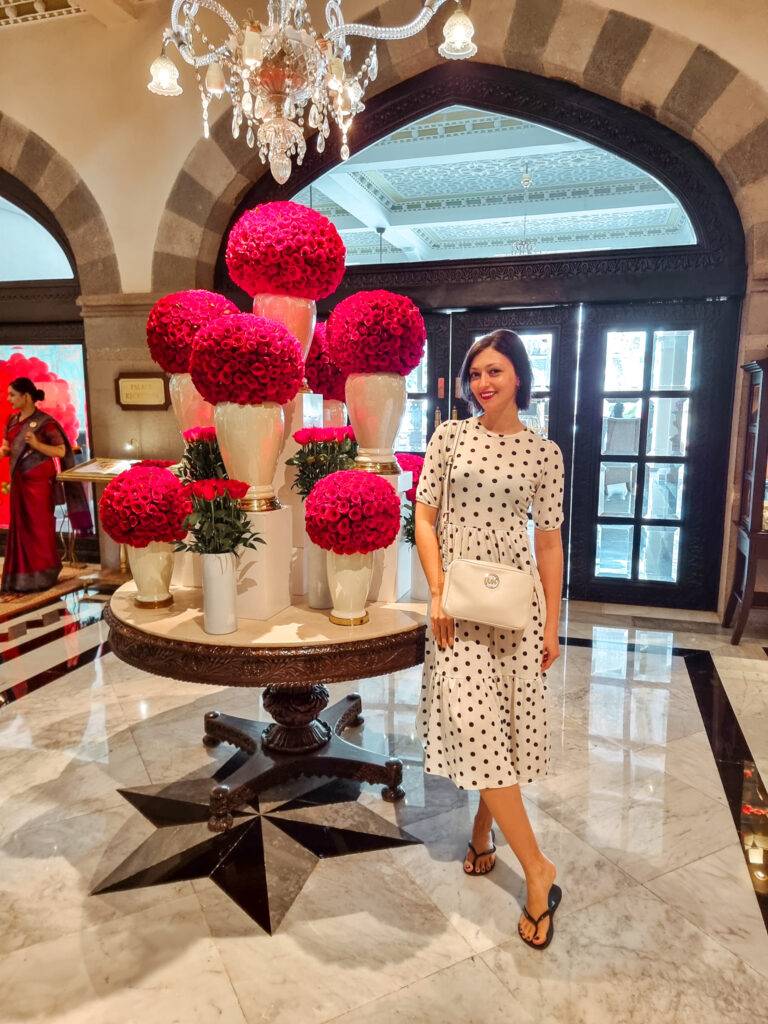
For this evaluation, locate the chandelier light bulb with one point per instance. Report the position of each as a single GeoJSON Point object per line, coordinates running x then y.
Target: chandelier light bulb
{"type": "Point", "coordinates": [253, 47]}
{"type": "Point", "coordinates": [215, 82]}
{"type": "Point", "coordinates": [457, 37]}
{"type": "Point", "coordinates": [165, 77]}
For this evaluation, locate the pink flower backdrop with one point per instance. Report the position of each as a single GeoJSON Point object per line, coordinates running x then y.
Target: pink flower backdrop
{"type": "Point", "coordinates": [59, 371]}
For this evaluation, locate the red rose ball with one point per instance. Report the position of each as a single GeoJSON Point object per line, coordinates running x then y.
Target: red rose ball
{"type": "Point", "coordinates": [352, 512]}
{"type": "Point", "coordinates": [145, 504]}
{"type": "Point", "coordinates": [323, 376]}
{"type": "Point", "coordinates": [246, 359]}
{"type": "Point", "coordinates": [285, 249]}
{"type": "Point", "coordinates": [174, 322]}
{"type": "Point", "coordinates": [376, 332]}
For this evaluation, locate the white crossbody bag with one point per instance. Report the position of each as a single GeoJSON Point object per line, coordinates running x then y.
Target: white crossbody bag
{"type": "Point", "coordinates": [486, 592]}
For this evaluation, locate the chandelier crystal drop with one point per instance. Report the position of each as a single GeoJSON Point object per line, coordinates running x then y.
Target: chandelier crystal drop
{"type": "Point", "coordinates": [284, 81]}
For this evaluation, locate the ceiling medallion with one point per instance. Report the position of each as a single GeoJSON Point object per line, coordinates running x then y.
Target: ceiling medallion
{"type": "Point", "coordinates": [283, 79]}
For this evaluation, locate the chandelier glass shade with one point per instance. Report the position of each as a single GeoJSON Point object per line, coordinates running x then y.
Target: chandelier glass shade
{"type": "Point", "coordinates": [284, 81]}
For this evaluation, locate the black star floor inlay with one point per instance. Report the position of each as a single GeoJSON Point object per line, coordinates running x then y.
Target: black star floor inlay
{"type": "Point", "coordinates": [263, 861]}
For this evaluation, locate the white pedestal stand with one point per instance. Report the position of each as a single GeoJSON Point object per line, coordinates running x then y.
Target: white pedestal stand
{"type": "Point", "coordinates": [392, 566]}
{"type": "Point", "coordinates": [263, 573]}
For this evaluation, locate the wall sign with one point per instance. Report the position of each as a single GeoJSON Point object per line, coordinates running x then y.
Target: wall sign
{"type": "Point", "coordinates": [142, 391]}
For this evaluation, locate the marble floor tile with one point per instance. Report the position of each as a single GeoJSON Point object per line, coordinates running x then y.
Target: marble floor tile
{"type": "Point", "coordinates": [49, 868]}
{"type": "Point", "coordinates": [466, 993]}
{"type": "Point", "coordinates": [485, 910]}
{"type": "Point", "coordinates": [632, 959]}
{"type": "Point", "coordinates": [635, 713]}
{"type": "Point", "coordinates": [688, 759]}
{"type": "Point", "coordinates": [69, 646]}
{"type": "Point", "coordinates": [154, 967]}
{"type": "Point", "coordinates": [360, 929]}
{"type": "Point", "coordinates": [716, 894]}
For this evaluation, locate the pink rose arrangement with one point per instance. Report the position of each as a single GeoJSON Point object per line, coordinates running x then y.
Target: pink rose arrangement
{"type": "Point", "coordinates": [351, 512]}
{"type": "Point", "coordinates": [218, 525]}
{"type": "Point", "coordinates": [246, 359]}
{"type": "Point", "coordinates": [143, 505]}
{"type": "Point", "coordinates": [376, 332]}
{"type": "Point", "coordinates": [202, 459]}
{"type": "Point", "coordinates": [174, 322]}
{"type": "Point", "coordinates": [323, 435]}
{"type": "Point", "coordinates": [195, 434]}
{"type": "Point", "coordinates": [324, 450]}
{"type": "Point", "coordinates": [323, 376]}
{"type": "Point", "coordinates": [411, 463]}
{"type": "Point", "coordinates": [285, 248]}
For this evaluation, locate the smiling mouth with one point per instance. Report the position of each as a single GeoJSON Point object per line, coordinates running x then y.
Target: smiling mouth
{"type": "Point", "coordinates": [485, 395]}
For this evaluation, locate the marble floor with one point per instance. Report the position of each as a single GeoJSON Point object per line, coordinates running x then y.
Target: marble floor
{"type": "Point", "coordinates": [655, 813]}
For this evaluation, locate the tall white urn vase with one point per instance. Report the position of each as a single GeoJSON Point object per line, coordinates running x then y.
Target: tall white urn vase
{"type": "Point", "coordinates": [250, 438]}
{"type": "Point", "coordinates": [152, 568]}
{"type": "Point", "coordinates": [334, 413]}
{"type": "Point", "coordinates": [189, 406]}
{"type": "Point", "coordinates": [349, 580]}
{"type": "Point", "coordinates": [219, 593]}
{"type": "Point", "coordinates": [318, 591]}
{"type": "Point", "coordinates": [376, 402]}
{"type": "Point", "coordinates": [297, 315]}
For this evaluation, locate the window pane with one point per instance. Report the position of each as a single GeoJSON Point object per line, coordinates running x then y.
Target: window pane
{"type": "Point", "coordinates": [536, 416]}
{"type": "Point", "coordinates": [621, 427]}
{"type": "Point", "coordinates": [618, 481]}
{"type": "Point", "coordinates": [668, 426]}
{"type": "Point", "coordinates": [624, 361]}
{"type": "Point", "coordinates": [672, 359]}
{"type": "Point", "coordinates": [416, 381]}
{"type": "Point", "coordinates": [663, 490]}
{"type": "Point", "coordinates": [412, 436]}
{"type": "Point", "coordinates": [539, 349]}
{"type": "Point", "coordinates": [614, 551]}
{"type": "Point", "coordinates": [658, 553]}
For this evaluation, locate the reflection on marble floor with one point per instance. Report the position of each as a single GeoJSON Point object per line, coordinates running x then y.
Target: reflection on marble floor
{"type": "Point", "coordinates": [659, 921]}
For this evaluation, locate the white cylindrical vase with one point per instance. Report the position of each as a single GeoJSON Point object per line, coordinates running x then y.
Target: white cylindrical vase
{"type": "Point", "coordinates": [334, 413]}
{"type": "Point", "coordinates": [297, 315]}
{"type": "Point", "coordinates": [349, 580]}
{"type": "Point", "coordinates": [219, 593]}
{"type": "Point", "coordinates": [187, 570]}
{"type": "Point", "coordinates": [152, 568]}
{"type": "Point", "coordinates": [419, 585]}
{"type": "Point", "coordinates": [318, 591]}
{"type": "Point", "coordinates": [189, 406]}
{"type": "Point", "coordinates": [376, 402]}
{"type": "Point", "coordinates": [250, 438]}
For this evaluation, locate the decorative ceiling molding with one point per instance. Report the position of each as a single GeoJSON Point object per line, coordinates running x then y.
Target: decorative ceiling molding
{"type": "Point", "coordinates": [25, 12]}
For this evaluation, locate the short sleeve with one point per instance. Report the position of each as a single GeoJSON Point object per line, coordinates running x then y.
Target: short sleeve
{"type": "Point", "coordinates": [50, 434]}
{"type": "Point", "coordinates": [430, 487]}
{"type": "Point", "coordinates": [548, 497]}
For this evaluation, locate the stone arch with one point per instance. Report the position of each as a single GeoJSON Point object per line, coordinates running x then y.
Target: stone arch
{"type": "Point", "coordinates": [31, 160]}
{"type": "Point", "coordinates": [682, 84]}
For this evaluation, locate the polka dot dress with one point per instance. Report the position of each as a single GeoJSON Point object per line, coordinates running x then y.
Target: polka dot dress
{"type": "Point", "coordinates": [483, 714]}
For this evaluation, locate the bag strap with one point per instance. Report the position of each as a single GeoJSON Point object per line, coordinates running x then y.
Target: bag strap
{"type": "Point", "coordinates": [446, 495]}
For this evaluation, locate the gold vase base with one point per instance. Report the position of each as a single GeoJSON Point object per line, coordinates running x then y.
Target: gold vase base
{"type": "Point", "coordinates": [259, 504]}
{"type": "Point", "coordinates": [382, 468]}
{"type": "Point", "coordinates": [337, 620]}
{"type": "Point", "coordinates": [165, 603]}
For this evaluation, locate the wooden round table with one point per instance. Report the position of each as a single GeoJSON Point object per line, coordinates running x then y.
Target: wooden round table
{"type": "Point", "coordinates": [294, 656]}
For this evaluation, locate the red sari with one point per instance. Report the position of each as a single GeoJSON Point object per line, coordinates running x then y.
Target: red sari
{"type": "Point", "coordinates": [32, 559]}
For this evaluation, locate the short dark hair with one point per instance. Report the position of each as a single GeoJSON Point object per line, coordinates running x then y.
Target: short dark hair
{"type": "Point", "coordinates": [510, 345]}
{"type": "Point", "coordinates": [24, 386]}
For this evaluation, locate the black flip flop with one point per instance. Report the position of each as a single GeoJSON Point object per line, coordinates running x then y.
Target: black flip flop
{"type": "Point", "coordinates": [555, 896]}
{"type": "Point", "coordinates": [485, 853]}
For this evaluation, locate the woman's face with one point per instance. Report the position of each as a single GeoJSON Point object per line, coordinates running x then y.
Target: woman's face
{"type": "Point", "coordinates": [16, 398]}
{"type": "Point", "coordinates": [492, 379]}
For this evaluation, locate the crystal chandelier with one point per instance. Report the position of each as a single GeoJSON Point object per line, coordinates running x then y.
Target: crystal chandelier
{"type": "Point", "coordinates": [282, 79]}
{"type": "Point", "coordinates": [524, 246]}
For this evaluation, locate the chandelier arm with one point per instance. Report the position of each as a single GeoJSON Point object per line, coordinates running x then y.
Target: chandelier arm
{"type": "Point", "coordinates": [337, 33]}
{"type": "Point", "coordinates": [178, 34]}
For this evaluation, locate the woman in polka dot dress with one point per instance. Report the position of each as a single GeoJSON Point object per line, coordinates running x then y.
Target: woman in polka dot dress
{"type": "Point", "coordinates": [483, 715]}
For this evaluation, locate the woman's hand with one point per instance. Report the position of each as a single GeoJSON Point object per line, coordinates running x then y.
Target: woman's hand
{"type": "Point", "coordinates": [31, 440]}
{"type": "Point", "coordinates": [551, 649]}
{"type": "Point", "coordinates": [5, 449]}
{"type": "Point", "coordinates": [442, 624]}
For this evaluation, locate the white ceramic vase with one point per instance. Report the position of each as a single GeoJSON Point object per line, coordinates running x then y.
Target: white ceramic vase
{"type": "Point", "coordinates": [219, 593]}
{"type": "Point", "coordinates": [189, 406]}
{"type": "Point", "coordinates": [376, 402]}
{"type": "Point", "coordinates": [298, 315]}
{"type": "Point", "coordinates": [250, 438]}
{"type": "Point", "coordinates": [318, 591]}
{"type": "Point", "coordinates": [419, 585]}
{"type": "Point", "coordinates": [187, 570]}
{"type": "Point", "coordinates": [349, 580]}
{"type": "Point", "coordinates": [334, 413]}
{"type": "Point", "coordinates": [152, 568]}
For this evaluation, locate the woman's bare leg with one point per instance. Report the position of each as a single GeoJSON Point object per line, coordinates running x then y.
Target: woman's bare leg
{"type": "Point", "coordinates": [481, 840]}
{"type": "Point", "coordinates": [507, 808]}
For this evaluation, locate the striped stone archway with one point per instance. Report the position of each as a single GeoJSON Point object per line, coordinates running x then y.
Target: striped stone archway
{"type": "Point", "coordinates": [36, 164]}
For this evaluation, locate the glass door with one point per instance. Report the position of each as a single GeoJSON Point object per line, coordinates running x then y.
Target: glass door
{"type": "Point", "coordinates": [426, 403]}
{"type": "Point", "coordinates": [653, 429]}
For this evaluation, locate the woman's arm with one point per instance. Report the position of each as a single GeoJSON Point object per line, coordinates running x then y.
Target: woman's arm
{"type": "Point", "coordinates": [549, 559]}
{"type": "Point", "coordinates": [55, 451]}
{"type": "Point", "coordinates": [429, 555]}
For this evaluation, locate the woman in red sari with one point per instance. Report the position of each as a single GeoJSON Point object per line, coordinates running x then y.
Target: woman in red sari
{"type": "Point", "coordinates": [32, 441]}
